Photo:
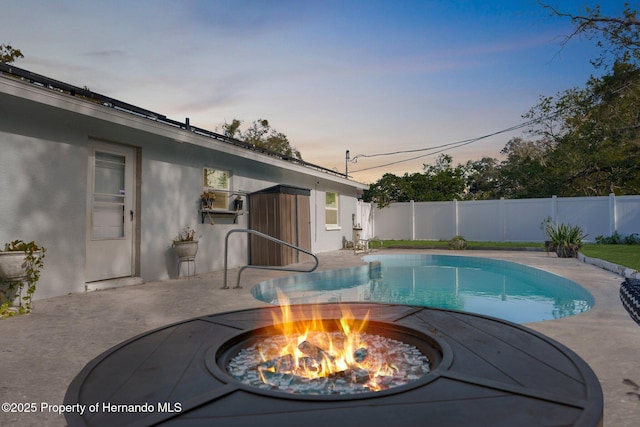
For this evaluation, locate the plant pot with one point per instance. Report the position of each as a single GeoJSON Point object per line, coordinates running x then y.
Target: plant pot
{"type": "Point", "coordinates": [566, 252]}
{"type": "Point", "coordinates": [186, 250]}
{"type": "Point", "coordinates": [13, 266]}
{"type": "Point", "coordinates": [549, 246]}
{"type": "Point", "coordinates": [19, 271]}
{"type": "Point", "coordinates": [9, 292]}
{"type": "Point", "coordinates": [13, 271]}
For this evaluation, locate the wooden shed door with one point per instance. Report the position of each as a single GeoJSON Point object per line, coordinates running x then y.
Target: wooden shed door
{"type": "Point", "coordinates": [304, 227]}
{"type": "Point", "coordinates": [286, 217]}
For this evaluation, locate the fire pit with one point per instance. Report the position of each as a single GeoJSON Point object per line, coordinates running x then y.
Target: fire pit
{"type": "Point", "coordinates": [447, 368]}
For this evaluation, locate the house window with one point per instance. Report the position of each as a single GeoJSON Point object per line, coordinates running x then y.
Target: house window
{"type": "Point", "coordinates": [218, 181]}
{"type": "Point", "coordinates": [331, 210]}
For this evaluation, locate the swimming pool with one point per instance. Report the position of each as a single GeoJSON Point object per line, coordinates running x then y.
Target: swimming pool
{"type": "Point", "coordinates": [498, 288]}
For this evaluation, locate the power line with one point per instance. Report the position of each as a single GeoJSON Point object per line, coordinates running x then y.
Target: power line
{"type": "Point", "coordinates": [409, 159]}
{"type": "Point", "coordinates": [444, 147]}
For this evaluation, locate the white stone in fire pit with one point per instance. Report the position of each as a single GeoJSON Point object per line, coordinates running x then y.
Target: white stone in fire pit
{"type": "Point", "coordinates": [262, 366]}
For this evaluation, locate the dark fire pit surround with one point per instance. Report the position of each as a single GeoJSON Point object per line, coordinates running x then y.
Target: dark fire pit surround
{"type": "Point", "coordinates": [482, 370]}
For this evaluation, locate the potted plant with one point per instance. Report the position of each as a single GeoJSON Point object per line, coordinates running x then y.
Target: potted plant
{"type": "Point", "coordinates": [186, 244]}
{"type": "Point", "coordinates": [567, 239]}
{"type": "Point", "coordinates": [207, 199]}
{"type": "Point", "coordinates": [20, 265]}
{"type": "Point", "coordinates": [237, 203]}
{"type": "Point", "coordinates": [549, 246]}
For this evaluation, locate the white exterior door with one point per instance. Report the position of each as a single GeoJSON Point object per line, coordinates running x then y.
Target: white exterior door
{"type": "Point", "coordinates": [110, 216]}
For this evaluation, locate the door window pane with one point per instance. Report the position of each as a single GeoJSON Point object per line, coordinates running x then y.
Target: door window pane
{"type": "Point", "coordinates": [109, 173]}
{"type": "Point", "coordinates": [108, 197]}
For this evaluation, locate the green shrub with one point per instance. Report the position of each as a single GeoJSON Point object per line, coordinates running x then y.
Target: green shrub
{"type": "Point", "coordinates": [614, 239]}
{"type": "Point", "coordinates": [618, 239]}
{"type": "Point", "coordinates": [458, 243]}
{"type": "Point", "coordinates": [632, 239]}
{"type": "Point", "coordinates": [566, 238]}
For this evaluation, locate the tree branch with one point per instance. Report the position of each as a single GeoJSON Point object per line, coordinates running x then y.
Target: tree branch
{"type": "Point", "coordinates": [628, 21]}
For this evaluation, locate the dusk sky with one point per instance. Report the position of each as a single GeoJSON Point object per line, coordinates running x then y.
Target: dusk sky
{"type": "Point", "coordinates": [365, 76]}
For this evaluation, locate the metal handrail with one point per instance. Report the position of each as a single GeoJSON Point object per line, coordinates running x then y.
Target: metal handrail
{"type": "Point", "coordinates": [262, 267]}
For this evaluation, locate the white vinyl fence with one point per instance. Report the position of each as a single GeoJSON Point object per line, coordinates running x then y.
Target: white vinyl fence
{"type": "Point", "coordinates": [503, 220]}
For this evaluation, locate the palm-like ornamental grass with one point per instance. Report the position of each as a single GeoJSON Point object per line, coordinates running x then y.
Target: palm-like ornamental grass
{"type": "Point", "coordinates": [566, 238]}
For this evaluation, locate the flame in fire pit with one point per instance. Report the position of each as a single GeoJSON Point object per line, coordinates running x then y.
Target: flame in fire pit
{"type": "Point", "coordinates": [320, 356]}
{"type": "Point", "coordinates": [311, 351]}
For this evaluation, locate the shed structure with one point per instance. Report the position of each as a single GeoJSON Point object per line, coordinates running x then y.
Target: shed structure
{"type": "Point", "coordinates": [283, 212]}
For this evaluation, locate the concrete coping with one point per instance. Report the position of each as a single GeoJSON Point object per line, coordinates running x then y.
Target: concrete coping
{"type": "Point", "coordinates": [627, 272]}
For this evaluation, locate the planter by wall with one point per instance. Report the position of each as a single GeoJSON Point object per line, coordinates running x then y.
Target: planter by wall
{"type": "Point", "coordinates": [13, 271]}
{"type": "Point", "coordinates": [186, 250]}
{"type": "Point", "coordinates": [9, 293]}
{"type": "Point", "coordinates": [12, 266]}
{"type": "Point", "coordinates": [20, 265]}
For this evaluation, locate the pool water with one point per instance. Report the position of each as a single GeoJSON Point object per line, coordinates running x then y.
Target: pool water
{"type": "Point", "coordinates": [497, 288]}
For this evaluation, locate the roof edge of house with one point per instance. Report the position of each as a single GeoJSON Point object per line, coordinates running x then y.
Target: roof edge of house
{"type": "Point", "coordinates": [86, 95]}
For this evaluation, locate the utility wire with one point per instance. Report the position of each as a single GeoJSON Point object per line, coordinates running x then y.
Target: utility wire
{"type": "Point", "coordinates": [444, 147]}
{"type": "Point", "coordinates": [411, 158]}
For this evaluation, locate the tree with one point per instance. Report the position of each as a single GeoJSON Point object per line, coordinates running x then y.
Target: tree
{"type": "Point", "coordinates": [443, 182]}
{"type": "Point", "coordinates": [232, 130]}
{"type": "Point", "coordinates": [390, 188]}
{"type": "Point", "coordinates": [606, 136]}
{"type": "Point", "coordinates": [439, 182]}
{"type": "Point", "coordinates": [595, 149]}
{"type": "Point", "coordinates": [482, 179]}
{"type": "Point", "coordinates": [8, 54]}
{"type": "Point", "coordinates": [618, 37]}
{"type": "Point", "coordinates": [261, 134]}
{"type": "Point", "coordinates": [524, 172]}
{"type": "Point", "coordinates": [588, 137]}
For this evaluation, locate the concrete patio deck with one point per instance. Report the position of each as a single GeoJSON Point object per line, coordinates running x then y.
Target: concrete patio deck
{"type": "Point", "coordinates": [42, 352]}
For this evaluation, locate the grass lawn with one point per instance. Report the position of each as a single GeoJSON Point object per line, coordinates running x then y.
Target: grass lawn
{"type": "Point", "coordinates": [627, 255]}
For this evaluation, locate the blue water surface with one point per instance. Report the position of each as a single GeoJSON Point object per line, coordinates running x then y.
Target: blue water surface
{"type": "Point", "coordinates": [497, 288]}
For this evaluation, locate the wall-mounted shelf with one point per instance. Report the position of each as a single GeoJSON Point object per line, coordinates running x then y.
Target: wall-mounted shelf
{"type": "Point", "coordinates": [211, 213]}
{"type": "Point", "coordinates": [208, 210]}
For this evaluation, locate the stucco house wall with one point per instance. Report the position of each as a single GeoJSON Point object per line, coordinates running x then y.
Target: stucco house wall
{"type": "Point", "coordinates": [45, 137]}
